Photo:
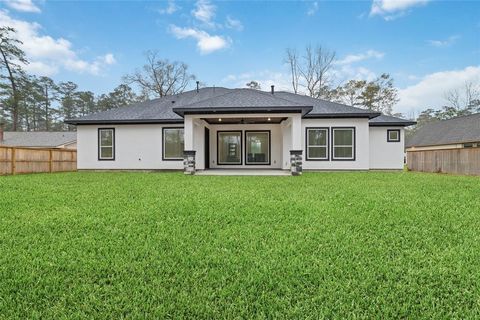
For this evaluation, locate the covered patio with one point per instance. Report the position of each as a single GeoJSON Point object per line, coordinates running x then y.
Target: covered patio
{"type": "Point", "coordinates": [233, 142]}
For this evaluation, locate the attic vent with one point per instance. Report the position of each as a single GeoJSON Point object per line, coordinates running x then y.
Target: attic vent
{"type": "Point", "coordinates": [173, 101]}
{"type": "Point", "coordinates": [273, 89]}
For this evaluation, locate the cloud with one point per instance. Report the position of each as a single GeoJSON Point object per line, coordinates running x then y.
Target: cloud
{"type": "Point", "coordinates": [313, 8]}
{"type": "Point", "coordinates": [204, 11]}
{"type": "Point", "coordinates": [430, 90]}
{"type": "Point", "coordinates": [352, 58]}
{"type": "Point", "coordinates": [206, 43]}
{"type": "Point", "coordinates": [392, 9]}
{"type": "Point", "coordinates": [170, 9]}
{"type": "Point", "coordinates": [443, 43]}
{"type": "Point", "coordinates": [47, 54]}
{"type": "Point", "coordinates": [266, 78]}
{"type": "Point", "coordinates": [232, 23]}
{"type": "Point", "coordinates": [23, 6]}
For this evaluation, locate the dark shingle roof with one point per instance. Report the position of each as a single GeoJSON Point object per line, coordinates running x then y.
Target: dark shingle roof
{"type": "Point", "coordinates": [38, 139]}
{"type": "Point", "coordinates": [171, 109]}
{"type": "Point", "coordinates": [456, 130]}
{"type": "Point", "coordinates": [324, 108]}
{"type": "Point", "coordinates": [245, 100]}
{"type": "Point", "coordinates": [384, 120]}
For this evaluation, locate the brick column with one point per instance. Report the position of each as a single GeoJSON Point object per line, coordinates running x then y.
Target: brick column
{"type": "Point", "coordinates": [296, 162]}
{"type": "Point", "coordinates": [189, 161]}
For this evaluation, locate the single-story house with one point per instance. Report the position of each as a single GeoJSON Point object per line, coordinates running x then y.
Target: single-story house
{"type": "Point", "coordinates": [456, 133]}
{"type": "Point", "coordinates": [239, 128]}
{"type": "Point", "coordinates": [39, 139]}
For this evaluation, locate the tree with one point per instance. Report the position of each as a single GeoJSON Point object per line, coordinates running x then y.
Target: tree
{"type": "Point", "coordinates": [292, 60]}
{"type": "Point", "coordinates": [68, 103]}
{"type": "Point", "coordinates": [10, 64]}
{"type": "Point", "coordinates": [312, 71]}
{"type": "Point", "coordinates": [467, 100]}
{"type": "Point", "coordinates": [159, 78]}
{"type": "Point", "coordinates": [50, 94]}
{"type": "Point", "coordinates": [378, 95]}
{"type": "Point", "coordinates": [254, 85]}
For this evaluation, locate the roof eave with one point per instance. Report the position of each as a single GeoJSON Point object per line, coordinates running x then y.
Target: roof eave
{"type": "Point", "coordinates": [124, 121]}
{"type": "Point", "coordinates": [392, 124]}
{"type": "Point", "coordinates": [369, 115]}
{"type": "Point", "coordinates": [290, 109]}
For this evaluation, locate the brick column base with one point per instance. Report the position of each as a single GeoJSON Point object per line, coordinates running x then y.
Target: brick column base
{"type": "Point", "coordinates": [189, 162]}
{"type": "Point", "coordinates": [296, 162]}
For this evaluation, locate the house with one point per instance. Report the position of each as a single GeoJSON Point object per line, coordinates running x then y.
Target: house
{"type": "Point", "coordinates": [456, 133]}
{"type": "Point", "coordinates": [449, 146]}
{"type": "Point", "coordinates": [239, 128]}
{"type": "Point", "coordinates": [39, 139]}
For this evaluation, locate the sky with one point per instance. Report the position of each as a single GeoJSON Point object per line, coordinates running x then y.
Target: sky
{"type": "Point", "coordinates": [428, 47]}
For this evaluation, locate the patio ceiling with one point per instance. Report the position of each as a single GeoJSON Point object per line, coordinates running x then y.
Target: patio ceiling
{"type": "Point", "coordinates": [244, 120]}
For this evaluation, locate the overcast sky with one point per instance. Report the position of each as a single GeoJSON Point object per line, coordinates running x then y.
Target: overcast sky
{"type": "Point", "coordinates": [428, 47]}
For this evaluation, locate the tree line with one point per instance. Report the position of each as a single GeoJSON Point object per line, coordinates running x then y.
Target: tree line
{"type": "Point", "coordinates": [38, 103]}
{"type": "Point", "coordinates": [33, 103]}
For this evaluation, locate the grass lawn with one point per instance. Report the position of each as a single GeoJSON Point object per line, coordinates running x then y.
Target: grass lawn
{"type": "Point", "coordinates": [165, 245]}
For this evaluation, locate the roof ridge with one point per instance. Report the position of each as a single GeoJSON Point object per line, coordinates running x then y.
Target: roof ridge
{"type": "Point", "coordinates": [273, 95]}
{"type": "Point", "coordinates": [220, 95]}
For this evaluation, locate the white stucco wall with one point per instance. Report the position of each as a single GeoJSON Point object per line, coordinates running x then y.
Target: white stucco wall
{"type": "Point", "coordinates": [136, 147]}
{"type": "Point", "coordinates": [362, 144]}
{"type": "Point", "coordinates": [383, 154]}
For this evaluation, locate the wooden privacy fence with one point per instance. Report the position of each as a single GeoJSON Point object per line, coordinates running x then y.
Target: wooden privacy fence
{"type": "Point", "coordinates": [458, 161]}
{"type": "Point", "coordinates": [15, 160]}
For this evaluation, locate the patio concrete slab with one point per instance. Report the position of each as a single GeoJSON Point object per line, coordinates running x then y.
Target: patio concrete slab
{"type": "Point", "coordinates": [242, 172]}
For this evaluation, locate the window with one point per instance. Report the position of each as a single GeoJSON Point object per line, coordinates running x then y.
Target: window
{"type": "Point", "coordinates": [343, 141]}
{"type": "Point", "coordinates": [106, 144]}
{"type": "Point", "coordinates": [258, 147]}
{"type": "Point", "coordinates": [393, 135]}
{"type": "Point", "coordinates": [173, 143]}
{"type": "Point", "coordinates": [317, 143]}
{"type": "Point", "coordinates": [229, 147]}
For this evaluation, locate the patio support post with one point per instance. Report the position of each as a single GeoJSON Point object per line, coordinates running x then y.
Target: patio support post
{"type": "Point", "coordinates": [296, 152]}
{"type": "Point", "coordinates": [189, 153]}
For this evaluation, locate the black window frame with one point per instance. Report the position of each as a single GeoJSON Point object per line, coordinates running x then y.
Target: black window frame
{"type": "Point", "coordinates": [269, 148]}
{"type": "Point", "coordinates": [163, 143]}
{"type": "Point", "coordinates": [99, 144]}
{"type": "Point", "coordinates": [241, 148]}
{"type": "Point", "coordinates": [354, 146]}
{"type": "Point", "coordinates": [307, 158]}
{"type": "Point", "coordinates": [388, 135]}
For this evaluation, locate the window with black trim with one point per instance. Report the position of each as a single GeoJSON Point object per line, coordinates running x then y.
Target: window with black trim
{"type": "Point", "coordinates": [106, 144]}
{"type": "Point", "coordinates": [317, 143]}
{"type": "Point", "coordinates": [343, 143]}
{"type": "Point", "coordinates": [229, 147]}
{"type": "Point", "coordinates": [257, 147]}
{"type": "Point", "coordinates": [393, 135]}
{"type": "Point", "coordinates": [173, 143]}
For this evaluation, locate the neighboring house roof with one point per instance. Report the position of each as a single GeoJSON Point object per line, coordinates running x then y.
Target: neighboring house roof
{"type": "Point", "coordinates": [383, 120]}
{"type": "Point", "coordinates": [171, 109]}
{"type": "Point", "coordinates": [456, 130]}
{"type": "Point", "coordinates": [38, 139]}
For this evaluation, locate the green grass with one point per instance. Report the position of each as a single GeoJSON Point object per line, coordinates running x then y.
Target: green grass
{"type": "Point", "coordinates": [165, 245]}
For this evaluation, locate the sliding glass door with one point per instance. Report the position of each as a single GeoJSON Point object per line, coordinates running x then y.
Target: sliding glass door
{"type": "Point", "coordinates": [229, 147]}
{"type": "Point", "coordinates": [257, 147]}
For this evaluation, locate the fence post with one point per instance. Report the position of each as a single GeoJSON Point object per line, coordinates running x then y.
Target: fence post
{"type": "Point", "coordinates": [50, 161]}
{"type": "Point", "coordinates": [13, 161]}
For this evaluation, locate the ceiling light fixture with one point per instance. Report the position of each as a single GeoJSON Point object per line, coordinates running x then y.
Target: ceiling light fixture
{"type": "Point", "coordinates": [269, 119]}
{"type": "Point", "coordinates": [219, 119]}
